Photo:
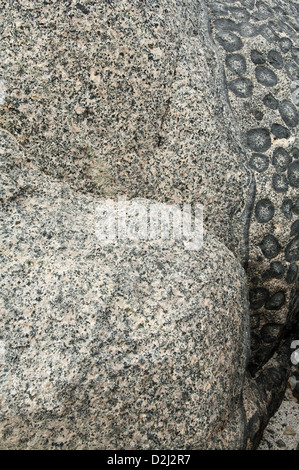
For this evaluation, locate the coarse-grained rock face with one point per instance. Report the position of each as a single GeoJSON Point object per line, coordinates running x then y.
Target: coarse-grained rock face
{"type": "Point", "coordinates": [122, 346]}
{"type": "Point", "coordinates": [127, 98]}
{"type": "Point", "coordinates": [258, 45]}
{"type": "Point", "coordinates": [141, 346]}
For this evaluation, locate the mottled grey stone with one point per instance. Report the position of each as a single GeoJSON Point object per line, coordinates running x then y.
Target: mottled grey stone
{"type": "Point", "coordinates": [295, 207]}
{"type": "Point", "coordinates": [285, 44]}
{"type": "Point", "coordinates": [275, 271]}
{"type": "Point", "coordinates": [107, 345]}
{"type": "Point", "coordinates": [241, 14]}
{"type": "Point", "coordinates": [270, 332]}
{"type": "Point", "coordinates": [259, 139]}
{"type": "Point", "coordinates": [295, 54]}
{"type": "Point", "coordinates": [275, 59]}
{"type": "Point", "coordinates": [129, 97]}
{"type": "Point", "coordinates": [270, 246]}
{"type": "Point", "coordinates": [295, 152]}
{"type": "Point", "coordinates": [263, 11]}
{"type": "Point", "coordinates": [280, 183]}
{"type": "Point", "coordinates": [248, 4]}
{"type": "Point", "coordinates": [247, 30]}
{"type": "Point", "coordinates": [258, 297]}
{"type": "Point", "coordinates": [270, 101]}
{"type": "Point", "coordinates": [292, 250]}
{"type": "Point", "coordinates": [289, 113]}
{"type": "Point", "coordinates": [293, 174]}
{"type": "Point", "coordinates": [236, 63]}
{"type": "Point", "coordinates": [120, 342]}
{"type": "Point", "coordinates": [257, 57]}
{"type": "Point", "coordinates": [264, 210]}
{"type": "Point", "coordinates": [218, 8]}
{"type": "Point", "coordinates": [265, 76]}
{"type": "Point", "coordinates": [292, 70]}
{"type": "Point", "coordinates": [294, 228]}
{"type": "Point", "coordinates": [241, 87]}
{"type": "Point", "coordinates": [259, 162]}
{"type": "Point", "coordinates": [269, 33]}
{"type": "Point", "coordinates": [286, 207]}
{"type": "Point", "coordinates": [276, 301]}
{"type": "Point", "coordinates": [281, 159]}
{"type": "Point", "coordinates": [229, 41]}
{"type": "Point", "coordinates": [225, 24]}
{"type": "Point", "coordinates": [292, 273]}
{"type": "Point", "coordinates": [280, 132]}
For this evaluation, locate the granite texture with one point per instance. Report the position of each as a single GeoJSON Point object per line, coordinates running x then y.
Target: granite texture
{"type": "Point", "coordinates": [172, 101]}
{"type": "Point", "coordinates": [127, 98]}
{"type": "Point", "coordinates": [128, 346]}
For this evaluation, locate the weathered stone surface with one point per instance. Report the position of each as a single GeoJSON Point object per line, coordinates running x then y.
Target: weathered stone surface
{"type": "Point", "coordinates": [126, 346]}
{"type": "Point", "coordinates": [271, 66]}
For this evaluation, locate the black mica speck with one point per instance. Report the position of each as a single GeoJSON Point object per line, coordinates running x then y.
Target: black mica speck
{"type": "Point", "coordinates": [82, 8]}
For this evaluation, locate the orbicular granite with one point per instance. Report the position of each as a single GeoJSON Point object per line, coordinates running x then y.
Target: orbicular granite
{"type": "Point", "coordinates": [125, 346]}
{"type": "Point", "coordinates": [172, 101]}
{"type": "Point", "coordinates": [258, 43]}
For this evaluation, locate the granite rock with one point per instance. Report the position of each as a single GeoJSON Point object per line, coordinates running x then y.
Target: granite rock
{"type": "Point", "coordinates": [114, 346]}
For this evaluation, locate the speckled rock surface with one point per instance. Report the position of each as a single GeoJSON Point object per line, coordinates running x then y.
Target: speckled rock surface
{"type": "Point", "coordinates": [258, 43]}
{"type": "Point", "coordinates": [128, 346]}
{"type": "Point", "coordinates": [126, 97]}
